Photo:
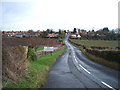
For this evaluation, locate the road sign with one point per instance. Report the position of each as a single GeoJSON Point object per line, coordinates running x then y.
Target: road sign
{"type": "Point", "coordinates": [48, 49]}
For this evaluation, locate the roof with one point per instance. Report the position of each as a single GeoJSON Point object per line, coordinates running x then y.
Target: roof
{"type": "Point", "coordinates": [52, 35]}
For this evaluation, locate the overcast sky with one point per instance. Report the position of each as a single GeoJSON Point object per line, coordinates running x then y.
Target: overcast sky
{"type": "Point", "coordinates": [59, 14]}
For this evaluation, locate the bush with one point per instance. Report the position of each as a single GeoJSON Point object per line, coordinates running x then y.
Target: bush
{"type": "Point", "coordinates": [31, 55]}
{"type": "Point", "coordinates": [63, 44]}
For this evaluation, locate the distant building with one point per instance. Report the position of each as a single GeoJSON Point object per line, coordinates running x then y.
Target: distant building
{"type": "Point", "coordinates": [75, 36]}
{"type": "Point", "coordinates": [19, 35]}
{"type": "Point", "coordinates": [52, 35]}
{"type": "Point", "coordinates": [91, 33]}
{"type": "Point", "coordinates": [10, 35]}
{"type": "Point", "coordinates": [78, 36]}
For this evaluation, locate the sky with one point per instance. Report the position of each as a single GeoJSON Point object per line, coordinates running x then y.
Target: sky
{"type": "Point", "coordinates": [58, 14]}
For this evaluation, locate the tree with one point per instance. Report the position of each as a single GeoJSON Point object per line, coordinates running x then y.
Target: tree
{"type": "Point", "coordinates": [67, 31]}
{"type": "Point", "coordinates": [105, 30]}
{"type": "Point", "coordinates": [78, 30]}
{"type": "Point", "coordinates": [44, 34]}
{"type": "Point", "coordinates": [60, 32]}
{"type": "Point", "coordinates": [74, 30]}
{"type": "Point", "coordinates": [3, 32]}
{"type": "Point", "coordinates": [64, 31]}
{"type": "Point", "coordinates": [30, 31]}
{"type": "Point", "coordinates": [83, 30]}
{"type": "Point", "coordinates": [48, 31]}
{"type": "Point", "coordinates": [113, 32]}
{"type": "Point", "coordinates": [93, 30]}
{"type": "Point", "coordinates": [51, 31]}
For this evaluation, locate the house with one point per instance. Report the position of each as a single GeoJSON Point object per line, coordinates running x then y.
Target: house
{"type": "Point", "coordinates": [52, 35]}
{"type": "Point", "coordinates": [78, 36]}
{"type": "Point", "coordinates": [10, 35]}
{"type": "Point", "coordinates": [19, 35]}
{"type": "Point", "coordinates": [75, 36]}
{"type": "Point", "coordinates": [91, 33]}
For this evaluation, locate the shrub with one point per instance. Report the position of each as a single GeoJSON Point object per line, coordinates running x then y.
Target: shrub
{"type": "Point", "coordinates": [31, 55]}
{"type": "Point", "coordinates": [63, 44]}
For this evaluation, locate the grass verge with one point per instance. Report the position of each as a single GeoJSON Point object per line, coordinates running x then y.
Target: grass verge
{"type": "Point", "coordinates": [38, 49]}
{"type": "Point", "coordinates": [111, 64]}
{"type": "Point", "coordinates": [38, 71]}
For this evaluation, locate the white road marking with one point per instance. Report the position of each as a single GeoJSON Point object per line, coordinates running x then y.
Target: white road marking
{"type": "Point", "coordinates": [74, 56]}
{"type": "Point", "coordinates": [93, 75]}
{"type": "Point", "coordinates": [84, 69]}
{"type": "Point", "coordinates": [88, 71]}
{"type": "Point", "coordinates": [107, 85]}
{"type": "Point", "coordinates": [76, 61]}
{"type": "Point", "coordinates": [81, 65]}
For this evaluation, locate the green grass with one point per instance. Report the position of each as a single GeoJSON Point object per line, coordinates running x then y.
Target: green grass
{"type": "Point", "coordinates": [38, 71]}
{"type": "Point", "coordinates": [97, 43]}
{"type": "Point", "coordinates": [31, 55]}
{"type": "Point", "coordinates": [38, 49]}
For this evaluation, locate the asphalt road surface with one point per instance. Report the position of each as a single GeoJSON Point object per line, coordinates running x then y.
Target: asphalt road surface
{"type": "Point", "coordinates": [75, 70]}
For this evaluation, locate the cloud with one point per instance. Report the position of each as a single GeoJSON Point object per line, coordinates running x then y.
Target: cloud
{"type": "Point", "coordinates": [43, 14]}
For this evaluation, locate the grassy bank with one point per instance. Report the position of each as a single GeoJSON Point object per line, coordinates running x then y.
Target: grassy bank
{"type": "Point", "coordinates": [38, 71]}
{"type": "Point", "coordinates": [111, 64]}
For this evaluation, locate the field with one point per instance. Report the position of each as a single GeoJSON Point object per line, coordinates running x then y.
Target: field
{"type": "Point", "coordinates": [30, 41]}
{"type": "Point", "coordinates": [97, 43]}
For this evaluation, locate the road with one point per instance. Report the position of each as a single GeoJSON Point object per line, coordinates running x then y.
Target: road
{"type": "Point", "coordinates": [75, 70]}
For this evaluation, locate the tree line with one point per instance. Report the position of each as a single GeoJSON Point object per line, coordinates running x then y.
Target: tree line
{"type": "Point", "coordinates": [102, 34]}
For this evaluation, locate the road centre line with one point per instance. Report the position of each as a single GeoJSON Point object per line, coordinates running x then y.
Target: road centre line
{"type": "Point", "coordinates": [82, 66]}
{"type": "Point", "coordinates": [76, 61]}
{"type": "Point", "coordinates": [84, 69]}
{"type": "Point", "coordinates": [107, 85]}
{"type": "Point", "coordinates": [75, 58]}
{"type": "Point", "coordinates": [97, 78]}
